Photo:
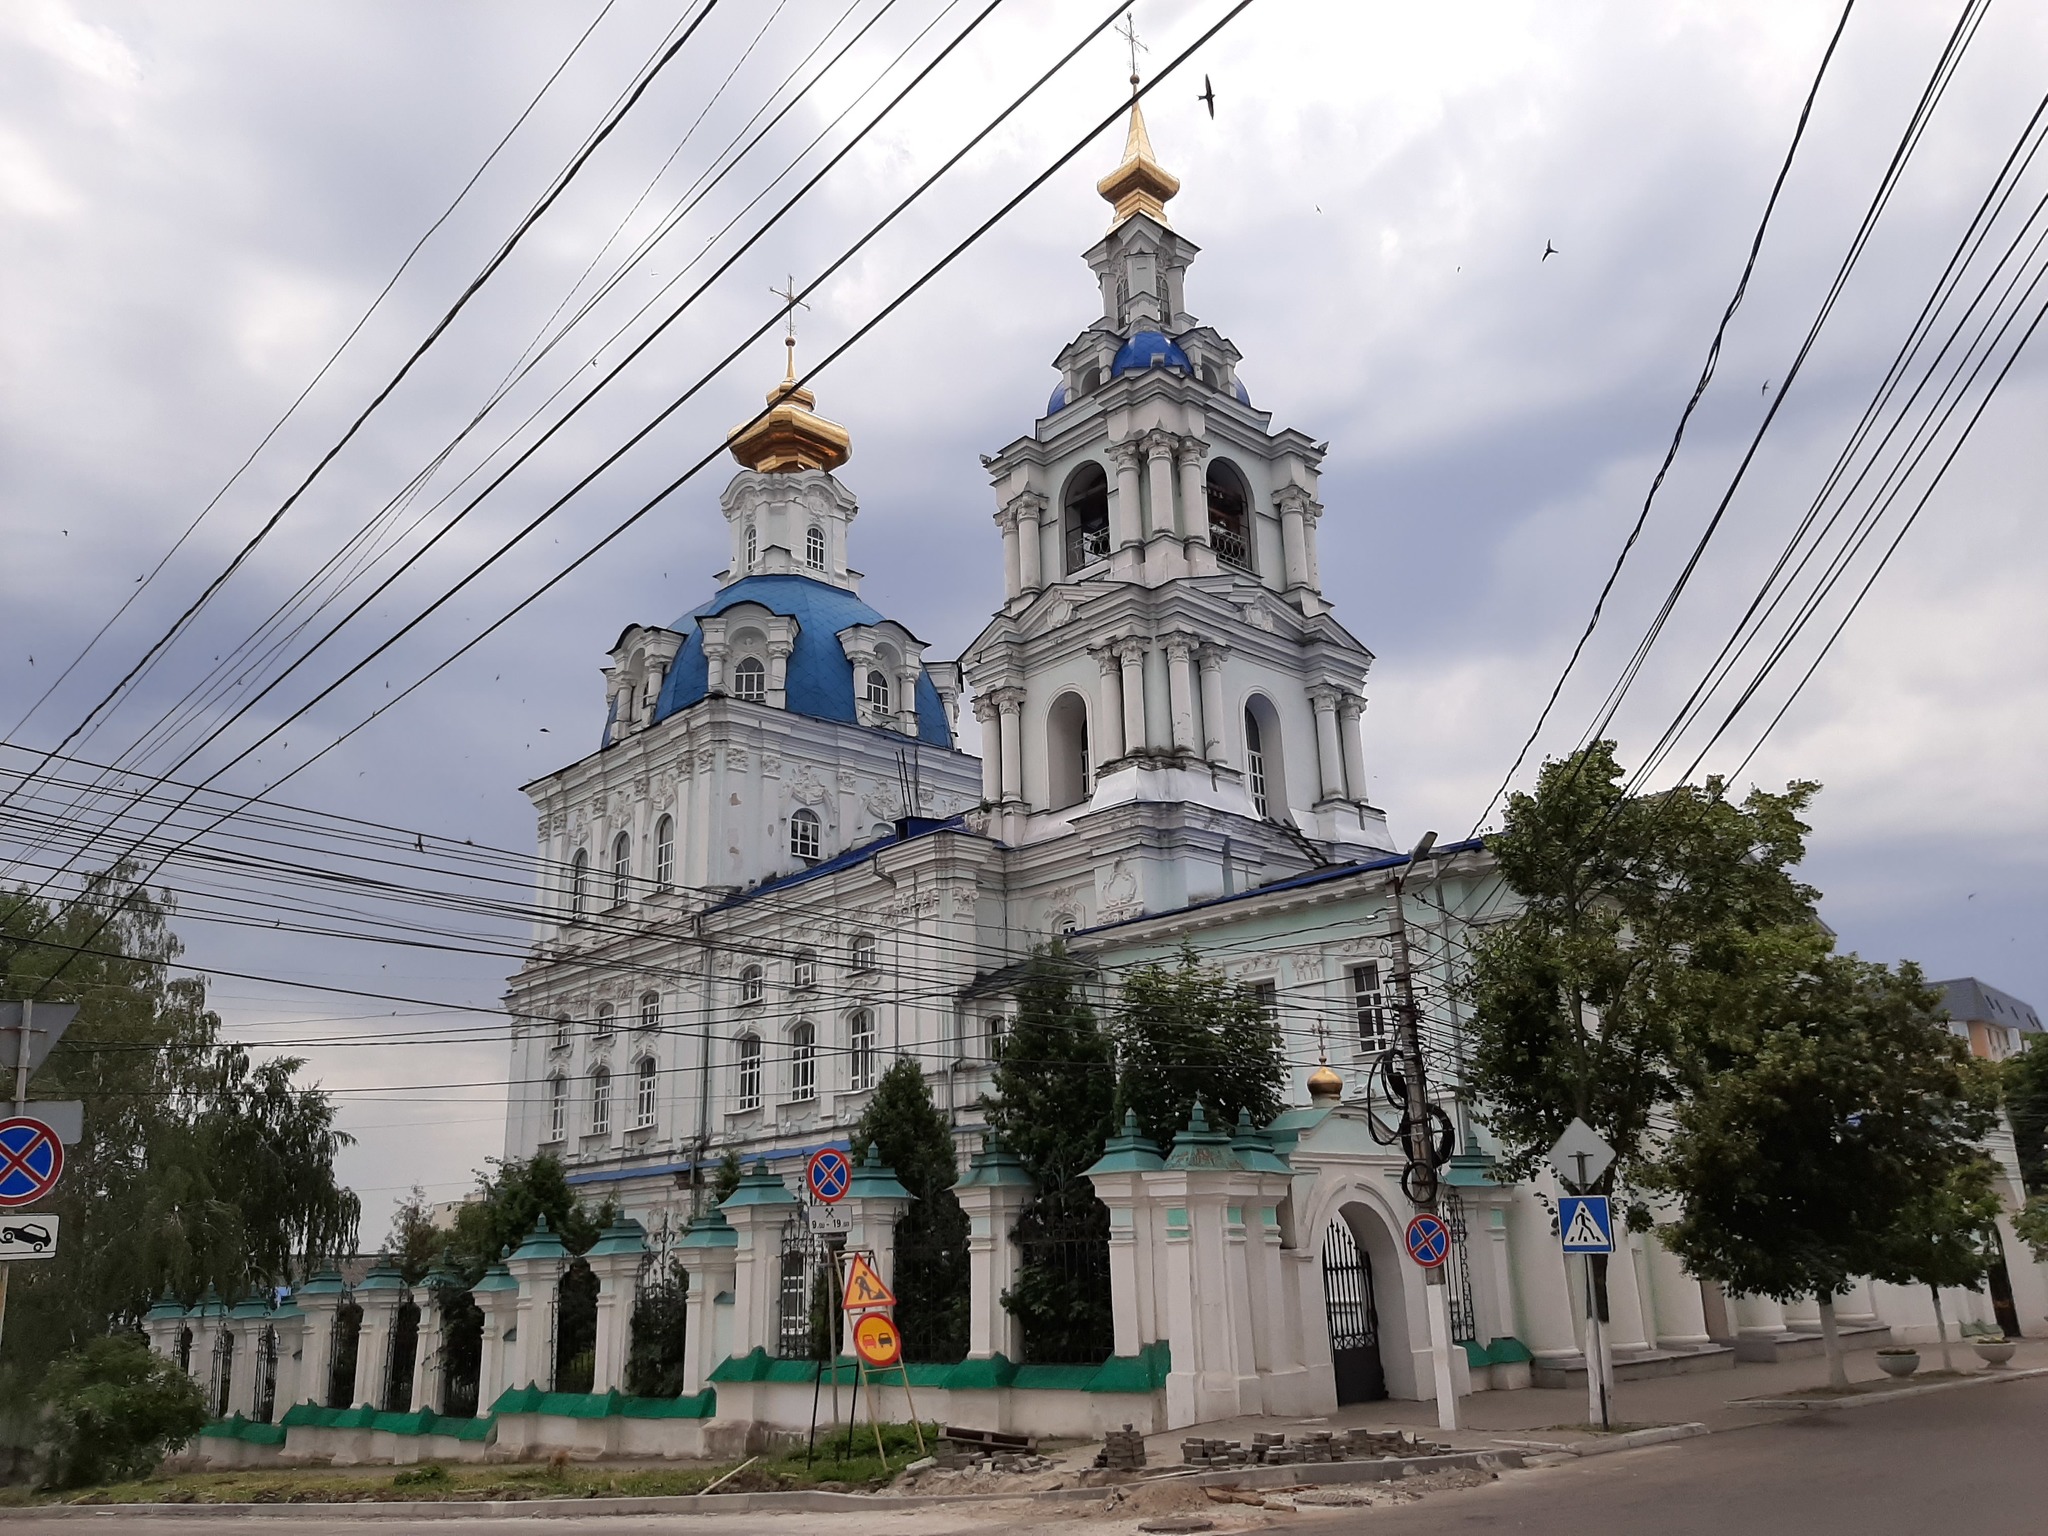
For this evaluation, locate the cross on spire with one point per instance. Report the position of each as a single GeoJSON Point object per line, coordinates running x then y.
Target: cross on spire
{"type": "Point", "coordinates": [1129, 33]}
{"type": "Point", "coordinates": [790, 305]}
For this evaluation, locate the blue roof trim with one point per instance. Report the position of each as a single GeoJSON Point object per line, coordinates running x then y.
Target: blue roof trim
{"type": "Point", "coordinates": [1294, 883]}
{"type": "Point", "coordinates": [820, 678]}
{"type": "Point", "coordinates": [913, 827]}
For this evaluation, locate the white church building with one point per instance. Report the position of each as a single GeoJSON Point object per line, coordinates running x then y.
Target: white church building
{"type": "Point", "coordinates": [781, 872]}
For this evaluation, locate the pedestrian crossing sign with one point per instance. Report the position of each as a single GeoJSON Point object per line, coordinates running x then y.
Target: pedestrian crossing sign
{"type": "Point", "coordinates": [864, 1288]}
{"type": "Point", "coordinates": [1586, 1223]}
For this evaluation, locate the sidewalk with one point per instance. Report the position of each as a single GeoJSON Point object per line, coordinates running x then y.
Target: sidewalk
{"type": "Point", "coordinates": [1710, 1398]}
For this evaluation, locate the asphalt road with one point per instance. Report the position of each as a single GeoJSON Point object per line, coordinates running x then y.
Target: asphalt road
{"type": "Point", "coordinates": [1968, 1462]}
{"type": "Point", "coordinates": [1963, 1463]}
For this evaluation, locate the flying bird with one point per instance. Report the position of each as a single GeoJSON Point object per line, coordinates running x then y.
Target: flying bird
{"type": "Point", "coordinates": [1208, 97]}
{"type": "Point", "coordinates": [1549, 251]}
{"type": "Point", "coordinates": [1766, 389]}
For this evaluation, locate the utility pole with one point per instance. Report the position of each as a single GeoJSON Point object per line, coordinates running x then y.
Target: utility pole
{"type": "Point", "coordinates": [1419, 1179]}
{"type": "Point", "coordinates": [28, 1010]}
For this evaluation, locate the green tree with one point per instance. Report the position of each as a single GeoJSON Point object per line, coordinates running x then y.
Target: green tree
{"type": "Point", "coordinates": [727, 1177]}
{"type": "Point", "coordinates": [1823, 1108]}
{"type": "Point", "coordinates": [2026, 1105]}
{"type": "Point", "coordinates": [1940, 1237]}
{"type": "Point", "coordinates": [906, 1131]}
{"type": "Point", "coordinates": [2032, 1226]}
{"type": "Point", "coordinates": [198, 1166]}
{"type": "Point", "coordinates": [112, 1410]}
{"type": "Point", "coordinates": [414, 1242]}
{"type": "Point", "coordinates": [1632, 912]}
{"type": "Point", "coordinates": [509, 1200]}
{"type": "Point", "coordinates": [654, 1359]}
{"type": "Point", "coordinates": [1054, 1104]}
{"type": "Point", "coordinates": [1189, 1032]}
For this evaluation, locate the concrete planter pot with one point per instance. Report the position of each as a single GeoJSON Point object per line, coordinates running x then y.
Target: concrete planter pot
{"type": "Point", "coordinates": [1898, 1362]}
{"type": "Point", "coordinates": [1995, 1353]}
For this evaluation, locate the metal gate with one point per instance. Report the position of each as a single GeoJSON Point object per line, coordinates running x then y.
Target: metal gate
{"type": "Point", "coordinates": [223, 1372]}
{"type": "Point", "coordinates": [401, 1353]}
{"type": "Point", "coordinates": [1354, 1320]}
{"type": "Point", "coordinates": [266, 1374]}
{"type": "Point", "coordinates": [806, 1319]}
{"type": "Point", "coordinates": [1458, 1275]}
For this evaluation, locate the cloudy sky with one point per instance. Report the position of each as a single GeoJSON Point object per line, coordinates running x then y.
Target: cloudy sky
{"type": "Point", "coordinates": [199, 202]}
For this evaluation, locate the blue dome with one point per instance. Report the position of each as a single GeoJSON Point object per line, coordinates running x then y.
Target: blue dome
{"type": "Point", "coordinates": [1149, 349]}
{"type": "Point", "coordinates": [820, 678]}
{"type": "Point", "coordinates": [1058, 402]}
{"type": "Point", "coordinates": [1243, 396]}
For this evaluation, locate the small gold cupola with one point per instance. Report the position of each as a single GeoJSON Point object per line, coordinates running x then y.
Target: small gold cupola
{"type": "Point", "coordinates": [1139, 184]}
{"type": "Point", "coordinates": [791, 436]}
{"type": "Point", "coordinates": [1324, 1085]}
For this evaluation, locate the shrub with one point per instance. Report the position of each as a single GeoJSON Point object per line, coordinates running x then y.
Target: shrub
{"type": "Point", "coordinates": [112, 1411]}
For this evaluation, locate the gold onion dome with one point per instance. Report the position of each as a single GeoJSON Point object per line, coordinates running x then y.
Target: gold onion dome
{"type": "Point", "coordinates": [1139, 184]}
{"type": "Point", "coordinates": [1324, 1085]}
{"type": "Point", "coordinates": [791, 436]}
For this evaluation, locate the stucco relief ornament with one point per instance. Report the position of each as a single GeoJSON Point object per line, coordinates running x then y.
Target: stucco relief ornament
{"type": "Point", "coordinates": [1367, 949]}
{"type": "Point", "coordinates": [735, 757]}
{"type": "Point", "coordinates": [771, 762]}
{"type": "Point", "coordinates": [1120, 888]}
{"type": "Point", "coordinates": [1308, 967]}
{"type": "Point", "coordinates": [805, 789]}
{"type": "Point", "coordinates": [884, 803]}
{"type": "Point", "coordinates": [976, 821]}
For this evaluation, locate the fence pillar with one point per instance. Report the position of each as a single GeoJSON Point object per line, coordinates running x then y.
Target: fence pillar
{"type": "Point", "coordinates": [993, 1193]}
{"type": "Point", "coordinates": [757, 1211]}
{"type": "Point", "coordinates": [1133, 1234]}
{"type": "Point", "coordinates": [162, 1324]}
{"type": "Point", "coordinates": [429, 1362]}
{"type": "Point", "coordinates": [875, 1200]}
{"type": "Point", "coordinates": [496, 1296]}
{"type": "Point", "coordinates": [536, 1267]}
{"type": "Point", "coordinates": [1276, 1349]}
{"type": "Point", "coordinates": [615, 1259]}
{"type": "Point", "coordinates": [380, 1296]}
{"type": "Point", "coordinates": [707, 1252]}
{"type": "Point", "coordinates": [1208, 1312]}
{"type": "Point", "coordinates": [208, 1321]}
{"type": "Point", "coordinates": [246, 1320]}
{"type": "Point", "coordinates": [320, 1299]}
{"type": "Point", "coordinates": [290, 1322]}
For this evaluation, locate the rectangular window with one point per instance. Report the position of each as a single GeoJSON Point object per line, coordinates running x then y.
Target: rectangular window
{"type": "Point", "coordinates": [803, 1064]}
{"type": "Point", "coordinates": [747, 1084]}
{"type": "Point", "coordinates": [860, 1046]}
{"type": "Point", "coordinates": [1267, 995]}
{"type": "Point", "coordinates": [643, 1097]}
{"type": "Point", "coordinates": [1374, 1026]}
{"type": "Point", "coordinates": [600, 1102]}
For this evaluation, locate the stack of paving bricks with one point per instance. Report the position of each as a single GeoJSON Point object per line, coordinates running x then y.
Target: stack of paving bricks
{"type": "Point", "coordinates": [968, 1450]}
{"type": "Point", "coordinates": [1318, 1447]}
{"type": "Point", "coordinates": [1123, 1450]}
{"type": "Point", "coordinates": [1215, 1453]}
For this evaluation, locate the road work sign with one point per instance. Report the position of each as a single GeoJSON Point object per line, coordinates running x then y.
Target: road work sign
{"type": "Point", "coordinates": [1586, 1224]}
{"type": "Point", "coordinates": [864, 1288]}
{"type": "Point", "coordinates": [28, 1235]}
{"type": "Point", "coordinates": [31, 1161]}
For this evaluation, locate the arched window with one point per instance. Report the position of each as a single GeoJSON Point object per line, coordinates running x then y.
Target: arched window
{"type": "Point", "coordinates": [650, 1010]}
{"type": "Point", "coordinates": [1255, 762]}
{"type": "Point", "coordinates": [860, 1049]}
{"type": "Point", "coordinates": [751, 550]}
{"type": "Point", "coordinates": [1265, 770]}
{"type": "Point", "coordinates": [622, 867]}
{"type": "Point", "coordinates": [1230, 515]}
{"type": "Point", "coordinates": [863, 953]}
{"type": "Point", "coordinates": [752, 984]}
{"type": "Point", "coordinates": [814, 548]}
{"type": "Point", "coordinates": [643, 1093]}
{"type": "Point", "coordinates": [1084, 516]}
{"type": "Point", "coordinates": [562, 1028]}
{"type": "Point", "coordinates": [998, 1029]}
{"type": "Point", "coordinates": [664, 853]}
{"type": "Point", "coordinates": [878, 689]}
{"type": "Point", "coordinates": [1067, 768]}
{"type": "Point", "coordinates": [558, 1107]}
{"type": "Point", "coordinates": [600, 1102]}
{"type": "Point", "coordinates": [750, 680]}
{"type": "Point", "coordinates": [803, 971]}
{"type": "Point", "coordinates": [747, 1073]}
{"type": "Point", "coordinates": [607, 1020]}
{"type": "Point", "coordinates": [579, 883]}
{"type": "Point", "coordinates": [803, 1064]}
{"type": "Point", "coordinates": [805, 835]}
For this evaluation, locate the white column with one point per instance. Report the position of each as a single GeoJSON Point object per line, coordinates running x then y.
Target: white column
{"type": "Point", "coordinates": [1180, 692]}
{"type": "Point", "coordinates": [1126, 528]}
{"type": "Point", "coordinates": [1293, 504]}
{"type": "Point", "coordinates": [1675, 1299]}
{"type": "Point", "coordinates": [706, 1252]}
{"type": "Point", "coordinates": [992, 1192]}
{"type": "Point", "coordinates": [1329, 755]}
{"type": "Point", "coordinates": [1349, 708]}
{"type": "Point", "coordinates": [428, 1366]}
{"type": "Point", "coordinates": [1011, 702]}
{"type": "Point", "coordinates": [1312, 513]}
{"type": "Point", "coordinates": [380, 1296]}
{"type": "Point", "coordinates": [614, 1260]}
{"type": "Point", "coordinates": [1013, 576]}
{"type": "Point", "coordinates": [1131, 655]}
{"type": "Point", "coordinates": [715, 652]}
{"type": "Point", "coordinates": [319, 1298]}
{"type": "Point", "coordinates": [536, 1267]}
{"type": "Point", "coordinates": [1029, 508]}
{"type": "Point", "coordinates": [757, 1210]}
{"type": "Point", "coordinates": [1758, 1317]}
{"type": "Point", "coordinates": [1109, 712]}
{"type": "Point", "coordinates": [906, 707]}
{"type": "Point", "coordinates": [1188, 453]}
{"type": "Point", "coordinates": [497, 1297]}
{"type": "Point", "coordinates": [779, 648]}
{"type": "Point", "coordinates": [991, 749]}
{"type": "Point", "coordinates": [1160, 522]}
{"type": "Point", "coordinates": [1210, 659]}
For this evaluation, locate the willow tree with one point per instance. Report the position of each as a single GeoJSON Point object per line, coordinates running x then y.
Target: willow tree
{"type": "Point", "coordinates": [199, 1167]}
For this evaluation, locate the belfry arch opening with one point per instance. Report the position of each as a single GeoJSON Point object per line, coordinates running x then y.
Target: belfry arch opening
{"type": "Point", "coordinates": [1265, 768]}
{"type": "Point", "coordinates": [1084, 517]}
{"type": "Point", "coordinates": [1230, 520]}
{"type": "Point", "coordinates": [1067, 764]}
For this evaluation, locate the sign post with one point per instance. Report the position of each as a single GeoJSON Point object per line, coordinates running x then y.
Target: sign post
{"type": "Point", "coordinates": [877, 1345]}
{"type": "Point", "coordinates": [1585, 1226]}
{"type": "Point", "coordinates": [29, 1159]}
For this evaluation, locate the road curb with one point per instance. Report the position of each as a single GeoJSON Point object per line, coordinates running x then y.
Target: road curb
{"type": "Point", "coordinates": [1865, 1399]}
{"type": "Point", "coordinates": [810, 1500]}
{"type": "Point", "coordinates": [1633, 1440]}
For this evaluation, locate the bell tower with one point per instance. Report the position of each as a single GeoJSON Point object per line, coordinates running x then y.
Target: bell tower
{"type": "Point", "coordinates": [1164, 655]}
